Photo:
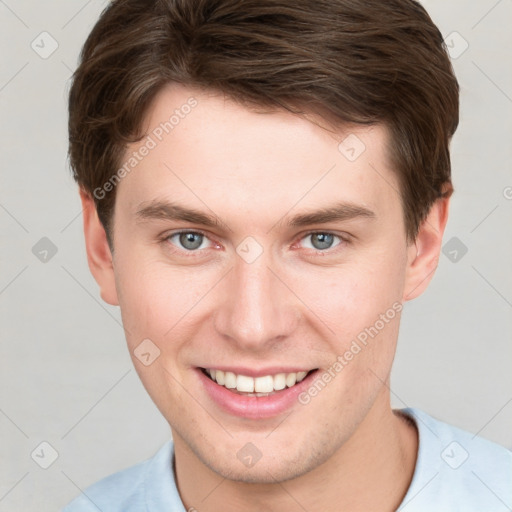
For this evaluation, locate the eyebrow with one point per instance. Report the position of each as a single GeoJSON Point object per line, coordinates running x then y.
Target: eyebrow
{"type": "Point", "coordinates": [337, 212]}
{"type": "Point", "coordinates": [166, 210]}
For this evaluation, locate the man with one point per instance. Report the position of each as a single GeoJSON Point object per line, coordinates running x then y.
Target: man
{"type": "Point", "coordinates": [265, 183]}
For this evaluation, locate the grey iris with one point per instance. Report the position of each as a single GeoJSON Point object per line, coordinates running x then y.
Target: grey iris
{"type": "Point", "coordinates": [191, 240]}
{"type": "Point", "coordinates": [324, 240]}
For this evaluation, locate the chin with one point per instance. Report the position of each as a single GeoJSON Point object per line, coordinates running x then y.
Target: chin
{"type": "Point", "coordinates": [270, 472]}
{"type": "Point", "coordinates": [275, 465]}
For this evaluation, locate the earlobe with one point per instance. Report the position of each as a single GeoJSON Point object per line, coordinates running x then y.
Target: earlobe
{"type": "Point", "coordinates": [99, 256]}
{"type": "Point", "coordinates": [424, 252]}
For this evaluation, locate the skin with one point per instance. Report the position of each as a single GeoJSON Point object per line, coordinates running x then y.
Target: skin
{"type": "Point", "coordinates": [294, 305]}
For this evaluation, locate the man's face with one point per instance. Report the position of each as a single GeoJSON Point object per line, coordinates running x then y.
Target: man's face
{"type": "Point", "coordinates": [259, 294]}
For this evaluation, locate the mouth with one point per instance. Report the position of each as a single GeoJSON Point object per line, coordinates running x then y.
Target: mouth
{"type": "Point", "coordinates": [255, 386]}
{"type": "Point", "coordinates": [255, 397]}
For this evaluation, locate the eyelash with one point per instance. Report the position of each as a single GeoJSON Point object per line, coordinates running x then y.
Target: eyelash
{"type": "Point", "coordinates": [191, 254]}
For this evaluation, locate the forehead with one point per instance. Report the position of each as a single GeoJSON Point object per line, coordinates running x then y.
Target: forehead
{"type": "Point", "coordinates": [208, 151]}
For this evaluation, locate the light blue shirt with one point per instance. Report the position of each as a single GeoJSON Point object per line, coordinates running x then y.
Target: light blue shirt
{"type": "Point", "coordinates": [455, 471]}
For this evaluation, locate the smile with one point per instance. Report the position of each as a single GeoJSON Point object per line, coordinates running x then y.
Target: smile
{"type": "Point", "coordinates": [255, 386]}
{"type": "Point", "coordinates": [255, 394]}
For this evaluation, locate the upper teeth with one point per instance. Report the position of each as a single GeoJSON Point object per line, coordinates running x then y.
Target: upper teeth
{"type": "Point", "coordinates": [265, 384]}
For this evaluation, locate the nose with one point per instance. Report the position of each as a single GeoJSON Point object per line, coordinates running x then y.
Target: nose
{"type": "Point", "coordinates": [256, 309]}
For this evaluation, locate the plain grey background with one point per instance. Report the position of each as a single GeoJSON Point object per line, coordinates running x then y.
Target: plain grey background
{"type": "Point", "coordinates": [66, 378]}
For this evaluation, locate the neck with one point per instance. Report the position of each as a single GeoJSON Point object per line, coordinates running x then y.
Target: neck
{"type": "Point", "coordinates": [371, 471]}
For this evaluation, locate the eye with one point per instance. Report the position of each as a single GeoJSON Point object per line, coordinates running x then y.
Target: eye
{"type": "Point", "coordinates": [188, 240]}
{"type": "Point", "coordinates": [321, 241]}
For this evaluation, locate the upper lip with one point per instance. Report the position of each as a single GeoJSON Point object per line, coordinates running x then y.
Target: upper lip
{"type": "Point", "coordinates": [259, 372]}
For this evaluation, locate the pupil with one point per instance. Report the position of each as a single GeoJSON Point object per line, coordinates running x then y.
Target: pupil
{"type": "Point", "coordinates": [191, 240]}
{"type": "Point", "coordinates": [324, 240]}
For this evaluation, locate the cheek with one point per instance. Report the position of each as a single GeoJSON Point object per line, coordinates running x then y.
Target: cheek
{"type": "Point", "coordinates": [348, 299]}
{"type": "Point", "coordinates": [360, 303]}
{"type": "Point", "coordinates": [159, 302]}
{"type": "Point", "coordinates": [147, 298]}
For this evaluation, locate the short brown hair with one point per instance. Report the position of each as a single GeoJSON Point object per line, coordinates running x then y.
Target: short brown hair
{"type": "Point", "coordinates": [362, 61]}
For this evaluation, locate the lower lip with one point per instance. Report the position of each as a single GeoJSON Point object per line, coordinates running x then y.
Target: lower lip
{"type": "Point", "coordinates": [254, 407]}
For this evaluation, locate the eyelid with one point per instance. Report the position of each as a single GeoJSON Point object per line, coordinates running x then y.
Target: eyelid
{"type": "Point", "coordinates": [343, 239]}
{"type": "Point", "coordinates": [166, 236]}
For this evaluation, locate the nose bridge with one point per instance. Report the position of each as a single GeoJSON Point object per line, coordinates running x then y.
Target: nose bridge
{"type": "Point", "coordinates": [257, 308]}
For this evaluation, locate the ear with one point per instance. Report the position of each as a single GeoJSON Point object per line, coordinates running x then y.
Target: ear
{"type": "Point", "coordinates": [423, 254]}
{"type": "Point", "coordinates": [99, 256]}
